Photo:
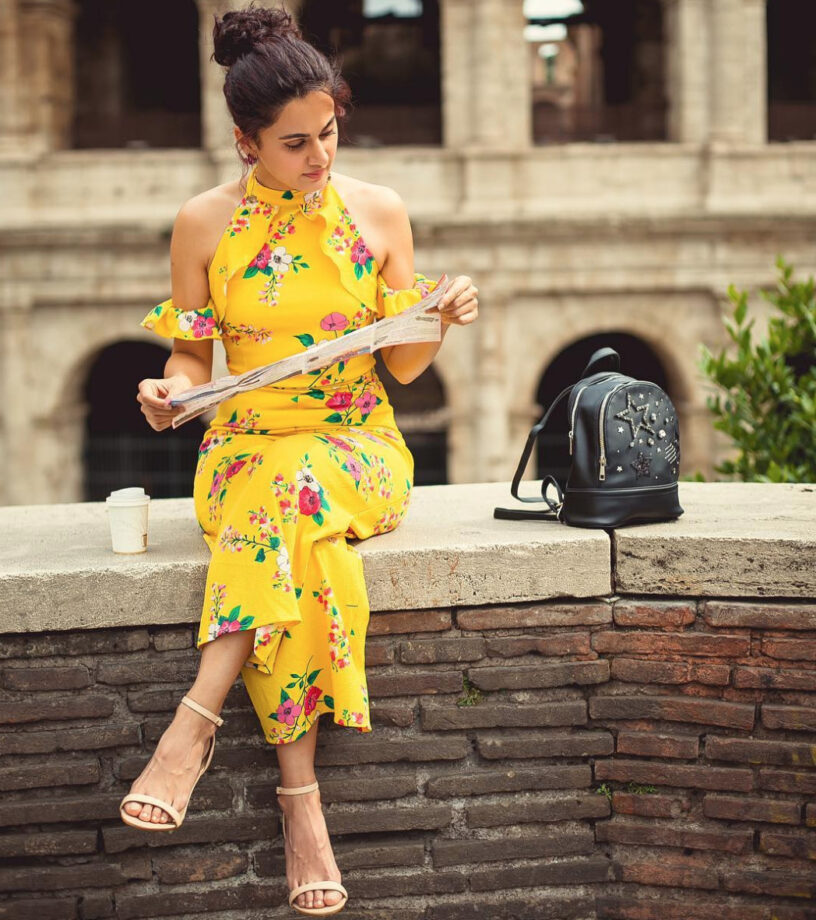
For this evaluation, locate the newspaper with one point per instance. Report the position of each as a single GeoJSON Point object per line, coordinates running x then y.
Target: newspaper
{"type": "Point", "coordinates": [412, 325]}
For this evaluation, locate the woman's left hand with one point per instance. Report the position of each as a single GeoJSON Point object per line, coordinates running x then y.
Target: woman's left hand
{"type": "Point", "coordinates": [459, 304]}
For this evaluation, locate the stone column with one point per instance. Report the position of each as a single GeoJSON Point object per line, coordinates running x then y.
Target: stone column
{"type": "Point", "coordinates": [216, 124]}
{"type": "Point", "coordinates": [11, 112]}
{"type": "Point", "coordinates": [486, 93]}
{"type": "Point", "coordinates": [16, 393]}
{"type": "Point", "coordinates": [47, 60]}
{"type": "Point", "coordinates": [738, 72]}
{"type": "Point", "coordinates": [687, 77]}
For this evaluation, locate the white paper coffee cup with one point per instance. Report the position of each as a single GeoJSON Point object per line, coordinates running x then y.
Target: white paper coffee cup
{"type": "Point", "coordinates": [127, 513]}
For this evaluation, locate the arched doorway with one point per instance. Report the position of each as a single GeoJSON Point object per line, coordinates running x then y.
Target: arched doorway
{"type": "Point", "coordinates": [137, 74]}
{"type": "Point", "coordinates": [421, 415]}
{"type": "Point", "coordinates": [637, 360]}
{"type": "Point", "coordinates": [120, 448]}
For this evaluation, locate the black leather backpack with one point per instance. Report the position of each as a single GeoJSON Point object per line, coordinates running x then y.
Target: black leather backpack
{"type": "Point", "coordinates": [624, 445]}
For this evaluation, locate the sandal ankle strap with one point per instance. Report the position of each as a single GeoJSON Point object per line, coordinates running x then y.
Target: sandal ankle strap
{"type": "Point", "coordinates": [200, 709]}
{"type": "Point", "coordinates": [296, 790]}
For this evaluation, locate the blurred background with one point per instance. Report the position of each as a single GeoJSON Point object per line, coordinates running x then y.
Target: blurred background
{"type": "Point", "coordinates": [603, 169]}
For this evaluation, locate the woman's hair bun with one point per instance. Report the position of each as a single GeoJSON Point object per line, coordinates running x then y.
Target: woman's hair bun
{"type": "Point", "coordinates": [239, 32]}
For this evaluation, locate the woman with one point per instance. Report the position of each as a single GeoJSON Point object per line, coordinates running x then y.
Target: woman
{"type": "Point", "coordinates": [285, 473]}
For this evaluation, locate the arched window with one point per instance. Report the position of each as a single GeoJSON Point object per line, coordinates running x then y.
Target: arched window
{"type": "Point", "coordinates": [389, 51]}
{"type": "Point", "coordinates": [597, 70]}
{"type": "Point", "coordinates": [791, 70]}
{"type": "Point", "coordinates": [637, 360]}
{"type": "Point", "coordinates": [121, 449]}
{"type": "Point", "coordinates": [137, 74]}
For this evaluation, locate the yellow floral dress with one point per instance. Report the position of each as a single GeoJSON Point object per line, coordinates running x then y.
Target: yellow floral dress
{"type": "Point", "coordinates": [286, 473]}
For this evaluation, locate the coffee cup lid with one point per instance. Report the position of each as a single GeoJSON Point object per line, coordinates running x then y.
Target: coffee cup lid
{"type": "Point", "coordinates": [130, 494]}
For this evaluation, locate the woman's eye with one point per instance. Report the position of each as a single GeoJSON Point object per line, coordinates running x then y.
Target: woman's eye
{"type": "Point", "coordinates": [299, 144]}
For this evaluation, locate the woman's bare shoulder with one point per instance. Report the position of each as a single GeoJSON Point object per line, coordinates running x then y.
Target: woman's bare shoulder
{"type": "Point", "coordinates": [378, 210]}
{"type": "Point", "coordinates": [201, 221]}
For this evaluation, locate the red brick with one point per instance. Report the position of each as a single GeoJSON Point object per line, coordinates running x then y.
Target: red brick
{"type": "Point", "coordinates": [437, 717]}
{"type": "Point", "coordinates": [789, 718]}
{"type": "Point", "coordinates": [76, 642]}
{"type": "Point", "coordinates": [531, 875]}
{"type": "Point", "coordinates": [743, 750]}
{"type": "Point", "coordinates": [196, 829]}
{"type": "Point", "coordinates": [655, 745]}
{"type": "Point", "coordinates": [457, 852]}
{"type": "Point", "coordinates": [411, 621]}
{"type": "Point", "coordinates": [766, 615]}
{"type": "Point", "coordinates": [41, 775]}
{"type": "Point", "coordinates": [782, 883]}
{"type": "Point", "coordinates": [544, 776]}
{"type": "Point", "coordinates": [793, 844]}
{"type": "Point", "coordinates": [692, 776]}
{"type": "Point", "coordinates": [378, 653]}
{"type": "Point", "coordinates": [39, 909]}
{"type": "Point", "coordinates": [793, 649]}
{"type": "Point", "coordinates": [674, 873]}
{"type": "Point", "coordinates": [539, 744]}
{"type": "Point", "coordinates": [640, 671]}
{"type": "Point", "coordinates": [433, 651]}
{"type": "Point", "coordinates": [78, 739]}
{"type": "Point", "coordinates": [47, 843]}
{"type": "Point", "coordinates": [632, 907]}
{"type": "Point", "coordinates": [810, 814]}
{"type": "Point", "coordinates": [370, 854]}
{"type": "Point", "coordinates": [174, 638]}
{"type": "Point", "coordinates": [772, 679]}
{"type": "Point", "coordinates": [394, 785]}
{"type": "Point", "coordinates": [47, 678]}
{"type": "Point", "coordinates": [655, 643]}
{"type": "Point", "coordinates": [530, 906]}
{"type": "Point", "coordinates": [178, 869]}
{"type": "Point", "coordinates": [530, 615]}
{"type": "Point", "coordinates": [411, 682]}
{"type": "Point", "coordinates": [560, 674]}
{"type": "Point", "coordinates": [94, 807]}
{"type": "Point", "coordinates": [662, 614]}
{"type": "Point", "coordinates": [375, 751]}
{"type": "Point", "coordinates": [78, 706]}
{"type": "Point", "coordinates": [740, 808]}
{"type": "Point", "coordinates": [158, 669]}
{"type": "Point", "coordinates": [653, 805]}
{"type": "Point", "coordinates": [783, 781]}
{"type": "Point", "coordinates": [383, 714]}
{"type": "Point", "coordinates": [368, 819]}
{"type": "Point", "coordinates": [513, 811]}
{"type": "Point", "coordinates": [244, 898]}
{"type": "Point", "coordinates": [560, 645]}
{"type": "Point", "coordinates": [673, 709]}
{"type": "Point", "coordinates": [664, 835]}
{"type": "Point", "coordinates": [56, 878]}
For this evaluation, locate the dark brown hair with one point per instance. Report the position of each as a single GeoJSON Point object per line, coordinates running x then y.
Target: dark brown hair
{"type": "Point", "coordinates": [269, 65]}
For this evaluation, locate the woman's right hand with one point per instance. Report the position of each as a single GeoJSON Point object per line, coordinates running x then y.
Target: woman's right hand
{"type": "Point", "coordinates": [153, 395]}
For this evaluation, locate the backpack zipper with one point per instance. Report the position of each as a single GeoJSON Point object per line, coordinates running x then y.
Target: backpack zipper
{"type": "Point", "coordinates": [575, 407]}
{"type": "Point", "coordinates": [601, 419]}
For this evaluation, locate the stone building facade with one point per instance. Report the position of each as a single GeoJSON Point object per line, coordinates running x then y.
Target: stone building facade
{"type": "Point", "coordinates": [567, 241]}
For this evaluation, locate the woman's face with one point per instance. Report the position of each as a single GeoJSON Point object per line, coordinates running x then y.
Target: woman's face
{"type": "Point", "coordinates": [298, 149]}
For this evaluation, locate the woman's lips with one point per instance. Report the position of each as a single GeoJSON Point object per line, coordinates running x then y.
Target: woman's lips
{"type": "Point", "coordinates": [314, 175]}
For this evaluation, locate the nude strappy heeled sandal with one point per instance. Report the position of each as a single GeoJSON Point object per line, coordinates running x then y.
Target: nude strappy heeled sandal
{"type": "Point", "coordinates": [143, 799]}
{"type": "Point", "coordinates": [311, 886]}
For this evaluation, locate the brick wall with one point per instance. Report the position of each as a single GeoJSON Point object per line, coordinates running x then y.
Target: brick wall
{"type": "Point", "coordinates": [624, 758]}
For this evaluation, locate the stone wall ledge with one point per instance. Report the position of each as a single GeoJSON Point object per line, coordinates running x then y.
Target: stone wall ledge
{"type": "Point", "coordinates": [57, 571]}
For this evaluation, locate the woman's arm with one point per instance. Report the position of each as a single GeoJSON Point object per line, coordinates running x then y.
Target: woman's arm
{"type": "Point", "coordinates": [458, 305]}
{"type": "Point", "coordinates": [190, 362]}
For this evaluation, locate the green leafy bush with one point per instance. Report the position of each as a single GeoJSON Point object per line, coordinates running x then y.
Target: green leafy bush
{"type": "Point", "coordinates": [767, 403]}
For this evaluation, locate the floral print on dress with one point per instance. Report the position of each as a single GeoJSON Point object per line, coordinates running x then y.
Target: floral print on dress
{"type": "Point", "coordinates": [302, 700]}
{"type": "Point", "coordinates": [312, 500]}
{"type": "Point", "coordinates": [345, 238]}
{"type": "Point", "coordinates": [225, 471]}
{"type": "Point", "coordinates": [221, 623]}
{"type": "Point", "coordinates": [339, 649]}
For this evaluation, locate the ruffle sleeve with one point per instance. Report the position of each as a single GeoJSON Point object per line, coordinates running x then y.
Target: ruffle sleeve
{"type": "Point", "coordinates": [170, 321]}
{"type": "Point", "coordinates": [390, 302]}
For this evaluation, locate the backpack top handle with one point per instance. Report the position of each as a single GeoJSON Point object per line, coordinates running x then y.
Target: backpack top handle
{"type": "Point", "coordinates": [604, 359]}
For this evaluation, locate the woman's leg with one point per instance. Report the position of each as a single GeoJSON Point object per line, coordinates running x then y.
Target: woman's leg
{"type": "Point", "coordinates": [309, 852]}
{"type": "Point", "coordinates": [171, 772]}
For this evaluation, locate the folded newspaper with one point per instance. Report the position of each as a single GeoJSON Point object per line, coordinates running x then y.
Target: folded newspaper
{"type": "Point", "coordinates": [412, 325]}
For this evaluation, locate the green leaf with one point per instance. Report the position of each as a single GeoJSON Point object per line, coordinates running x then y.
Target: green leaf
{"type": "Point", "coordinates": [251, 272]}
{"type": "Point", "coordinates": [318, 518]}
{"type": "Point", "coordinates": [287, 195]}
{"type": "Point", "coordinates": [334, 418]}
{"type": "Point", "coordinates": [305, 339]}
{"type": "Point", "coordinates": [317, 394]}
{"type": "Point", "coordinates": [358, 270]}
{"type": "Point", "coordinates": [234, 614]}
{"type": "Point", "coordinates": [260, 556]}
{"type": "Point", "coordinates": [298, 592]}
{"type": "Point", "coordinates": [313, 676]}
{"type": "Point", "coordinates": [328, 700]}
